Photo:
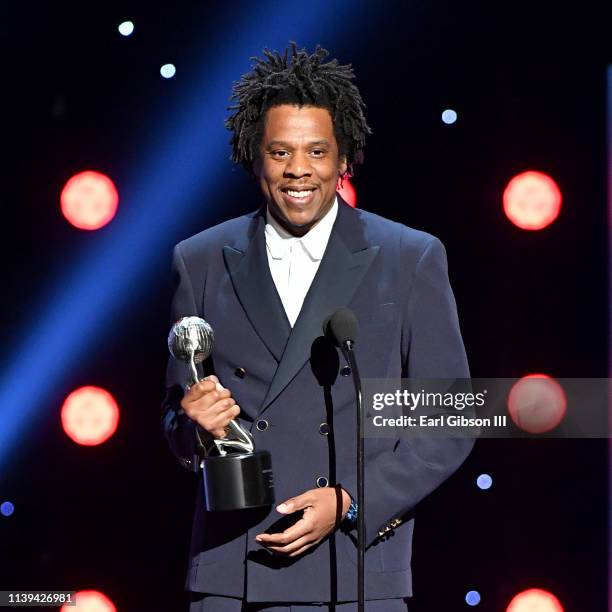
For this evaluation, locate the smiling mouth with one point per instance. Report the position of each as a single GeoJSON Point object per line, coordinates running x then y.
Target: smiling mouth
{"type": "Point", "coordinates": [301, 194]}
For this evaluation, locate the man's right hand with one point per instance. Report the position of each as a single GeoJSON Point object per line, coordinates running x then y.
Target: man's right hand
{"type": "Point", "coordinates": [212, 409]}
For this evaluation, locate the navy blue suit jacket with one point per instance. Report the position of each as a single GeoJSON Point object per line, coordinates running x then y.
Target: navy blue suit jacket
{"type": "Point", "coordinates": [395, 280]}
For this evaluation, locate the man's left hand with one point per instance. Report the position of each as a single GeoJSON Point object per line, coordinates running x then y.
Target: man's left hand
{"type": "Point", "coordinates": [323, 508]}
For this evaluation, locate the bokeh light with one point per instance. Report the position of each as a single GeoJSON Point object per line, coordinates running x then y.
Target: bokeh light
{"type": "Point", "coordinates": [167, 71]}
{"type": "Point", "coordinates": [126, 28]}
{"type": "Point", "coordinates": [90, 416]}
{"type": "Point", "coordinates": [347, 192]}
{"type": "Point", "coordinates": [537, 403]}
{"type": "Point", "coordinates": [472, 598]}
{"type": "Point", "coordinates": [532, 200]}
{"type": "Point", "coordinates": [535, 600]}
{"type": "Point", "coordinates": [90, 601]}
{"type": "Point", "coordinates": [7, 508]}
{"type": "Point", "coordinates": [449, 116]}
{"type": "Point", "coordinates": [89, 200]}
{"type": "Point", "coordinates": [484, 482]}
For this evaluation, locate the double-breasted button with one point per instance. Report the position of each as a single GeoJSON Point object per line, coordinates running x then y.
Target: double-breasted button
{"type": "Point", "coordinates": [322, 481]}
{"type": "Point", "coordinates": [262, 425]}
{"type": "Point", "coordinates": [240, 372]}
{"type": "Point", "coordinates": [324, 429]}
{"type": "Point", "coordinates": [345, 371]}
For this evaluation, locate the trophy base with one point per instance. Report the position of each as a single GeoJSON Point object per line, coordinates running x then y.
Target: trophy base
{"type": "Point", "coordinates": [237, 482]}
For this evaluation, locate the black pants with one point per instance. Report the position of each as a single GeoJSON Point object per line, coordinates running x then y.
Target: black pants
{"type": "Point", "coordinates": [200, 602]}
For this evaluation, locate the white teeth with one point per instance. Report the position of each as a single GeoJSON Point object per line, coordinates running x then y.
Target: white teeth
{"type": "Point", "coordinates": [298, 194]}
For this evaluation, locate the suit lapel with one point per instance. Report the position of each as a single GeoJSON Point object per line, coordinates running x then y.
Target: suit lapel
{"type": "Point", "coordinates": [248, 267]}
{"type": "Point", "coordinates": [346, 260]}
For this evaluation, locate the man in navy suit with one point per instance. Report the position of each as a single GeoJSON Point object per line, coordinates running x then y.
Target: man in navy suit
{"type": "Point", "coordinates": [266, 281]}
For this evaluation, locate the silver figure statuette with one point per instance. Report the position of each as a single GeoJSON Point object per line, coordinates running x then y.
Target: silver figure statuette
{"type": "Point", "coordinates": [191, 341]}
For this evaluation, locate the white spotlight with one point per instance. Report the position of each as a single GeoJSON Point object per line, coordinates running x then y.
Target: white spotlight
{"type": "Point", "coordinates": [167, 71]}
{"type": "Point", "coordinates": [449, 116]}
{"type": "Point", "coordinates": [126, 28]}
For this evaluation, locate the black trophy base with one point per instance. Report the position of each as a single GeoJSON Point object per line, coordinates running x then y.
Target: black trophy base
{"type": "Point", "coordinates": [236, 482]}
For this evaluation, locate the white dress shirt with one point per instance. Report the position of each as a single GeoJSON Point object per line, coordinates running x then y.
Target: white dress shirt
{"type": "Point", "coordinates": [294, 261]}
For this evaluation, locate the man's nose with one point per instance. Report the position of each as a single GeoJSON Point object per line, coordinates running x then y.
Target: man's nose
{"type": "Point", "coordinates": [298, 165]}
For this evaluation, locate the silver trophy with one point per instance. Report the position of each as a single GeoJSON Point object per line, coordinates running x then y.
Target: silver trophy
{"type": "Point", "coordinates": [242, 477]}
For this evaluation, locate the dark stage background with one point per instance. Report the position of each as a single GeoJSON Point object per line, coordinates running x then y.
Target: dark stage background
{"type": "Point", "coordinates": [528, 81]}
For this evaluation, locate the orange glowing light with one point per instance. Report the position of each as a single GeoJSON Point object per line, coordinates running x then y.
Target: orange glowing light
{"type": "Point", "coordinates": [535, 600]}
{"type": "Point", "coordinates": [537, 403]}
{"type": "Point", "coordinates": [90, 601]}
{"type": "Point", "coordinates": [347, 192]}
{"type": "Point", "coordinates": [90, 416]}
{"type": "Point", "coordinates": [532, 200]}
{"type": "Point", "coordinates": [89, 200]}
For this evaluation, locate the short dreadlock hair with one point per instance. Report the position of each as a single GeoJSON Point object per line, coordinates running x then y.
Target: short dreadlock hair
{"type": "Point", "coordinates": [301, 80]}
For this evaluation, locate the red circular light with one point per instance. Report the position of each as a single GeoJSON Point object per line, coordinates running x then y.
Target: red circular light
{"type": "Point", "coordinates": [90, 601]}
{"type": "Point", "coordinates": [89, 200]}
{"type": "Point", "coordinates": [532, 200]}
{"type": "Point", "coordinates": [537, 403]}
{"type": "Point", "coordinates": [347, 192]}
{"type": "Point", "coordinates": [535, 600]}
{"type": "Point", "coordinates": [90, 416]}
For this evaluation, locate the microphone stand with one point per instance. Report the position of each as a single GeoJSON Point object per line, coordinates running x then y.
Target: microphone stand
{"type": "Point", "coordinates": [347, 348]}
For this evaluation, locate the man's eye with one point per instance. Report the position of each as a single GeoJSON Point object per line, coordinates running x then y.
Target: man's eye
{"type": "Point", "coordinates": [280, 153]}
{"type": "Point", "coordinates": [318, 152]}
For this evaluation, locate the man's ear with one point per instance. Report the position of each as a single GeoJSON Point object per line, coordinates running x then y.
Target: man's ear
{"type": "Point", "coordinates": [342, 165]}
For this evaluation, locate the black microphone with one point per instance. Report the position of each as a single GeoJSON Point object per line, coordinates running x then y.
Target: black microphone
{"type": "Point", "coordinates": [341, 328]}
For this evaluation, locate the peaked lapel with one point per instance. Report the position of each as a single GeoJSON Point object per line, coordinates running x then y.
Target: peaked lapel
{"type": "Point", "coordinates": [247, 263]}
{"type": "Point", "coordinates": [346, 260]}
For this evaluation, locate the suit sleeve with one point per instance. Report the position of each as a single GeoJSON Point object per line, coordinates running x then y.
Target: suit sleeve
{"type": "Point", "coordinates": [398, 478]}
{"type": "Point", "coordinates": [178, 428]}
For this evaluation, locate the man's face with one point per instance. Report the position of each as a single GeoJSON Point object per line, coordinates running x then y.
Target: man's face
{"type": "Point", "coordinates": [298, 165]}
